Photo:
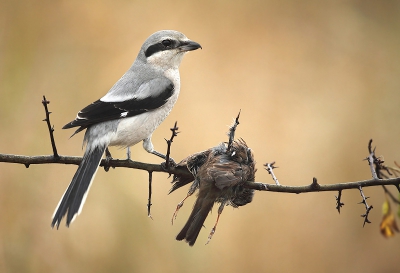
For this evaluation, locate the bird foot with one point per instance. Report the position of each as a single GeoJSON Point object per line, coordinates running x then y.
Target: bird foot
{"type": "Point", "coordinates": [176, 212]}
{"type": "Point", "coordinates": [107, 160]}
{"type": "Point", "coordinates": [171, 163]}
{"type": "Point", "coordinates": [211, 234]}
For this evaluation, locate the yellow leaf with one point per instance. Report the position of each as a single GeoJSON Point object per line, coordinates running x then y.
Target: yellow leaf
{"type": "Point", "coordinates": [388, 225]}
{"type": "Point", "coordinates": [386, 208]}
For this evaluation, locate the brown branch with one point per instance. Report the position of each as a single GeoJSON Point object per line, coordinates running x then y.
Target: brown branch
{"type": "Point", "coordinates": [339, 203]}
{"type": "Point", "coordinates": [392, 197]}
{"type": "Point", "coordinates": [371, 160]}
{"type": "Point", "coordinates": [75, 160]}
{"type": "Point", "coordinates": [232, 130]}
{"type": "Point", "coordinates": [50, 128]}
{"type": "Point", "coordinates": [269, 167]}
{"type": "Point", "coordinates": [376, 164]}
{"type": "Point", "coordinates": [329, 187]}
{"type": "Point", "coordinates": [175, 132]}
{"type": "Point", "coordinates": [150, 192]}
{"type": "Point", "coordinates": [367, 207]}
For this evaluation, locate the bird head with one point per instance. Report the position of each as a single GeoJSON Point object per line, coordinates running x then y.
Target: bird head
{"type": "Point", "coordinates": [166, 48]}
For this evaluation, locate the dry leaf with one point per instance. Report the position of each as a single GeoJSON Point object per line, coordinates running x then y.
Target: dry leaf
{"type": "Point", "coordinates": [388, 224]}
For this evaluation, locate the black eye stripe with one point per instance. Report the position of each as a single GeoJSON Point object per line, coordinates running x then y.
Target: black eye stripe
{"type": "Point", "coordinates": [161, 46]}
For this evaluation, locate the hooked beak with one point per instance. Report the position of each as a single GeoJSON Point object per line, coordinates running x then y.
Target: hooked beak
{"type": "Point", "coordinates": [189, 46]}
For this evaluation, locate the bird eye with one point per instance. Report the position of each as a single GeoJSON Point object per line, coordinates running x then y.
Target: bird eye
{"type": "Point", "coordinates": [166, 43]}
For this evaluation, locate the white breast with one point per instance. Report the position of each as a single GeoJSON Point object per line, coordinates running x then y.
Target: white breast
{"type": "Point", "coordinates": [132, 130]}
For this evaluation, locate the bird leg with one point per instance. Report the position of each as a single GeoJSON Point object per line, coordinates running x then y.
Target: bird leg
{"type": "Point", "coordinates": [148, 146]}
{"type": "Point", "coordinates": [220, 209]}
{"type": "Point", "coordinates": [192, 189]}
{"type": "Point", "coordinates": [171, 160]}
{"type": "Point", "coordinates": [128, 153]}
{"type": "Point", "coordinates": [179, 206]}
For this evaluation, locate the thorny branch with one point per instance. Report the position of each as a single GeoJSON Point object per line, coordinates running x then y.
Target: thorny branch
{"type": "Point", "coordinates": [175, 132]}
{"type": "Point", "coordinates": [339, 203]}
{"type": "Point", "coordinates": [329, 187]}
{"type": "Point", "coordinates": [115, 163]}
{"type": "Point", "coordinates": [367, 207]}
{"type": "Point", "coordinates": [150, 192]}
{"type": "Point", "coordinates": [51, 128]}
{"type": "Point", "coordinates": [269, 167]}
{"type": "Point", "coordinates": [377, 171]}
{"type": "Point", "coordinates": [232, 131]}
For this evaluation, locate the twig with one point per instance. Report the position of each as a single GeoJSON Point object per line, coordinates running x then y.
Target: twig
{"type": "Point", "coordinates": [339, 204]}
{"type": "Point", "coordinates": [175, 132]}
{"type": "Point", "coordinates": [150, 191]}
{"type": "Point", "coordinates": [314, 185]}
{"type": "Point", "coordinates": [394, 198]}
{"type": "Point", "coordinates": [377, 170]}
{"type": "Point", "coordinates": [51, 128]}
{"type": "Point", "coordinates": [367, 208]}
{"type": "Point", "coordinates": [269, 167]}
{"type": "Point", "coordinates": [395, 170]}
{"type": "Point", "coordinates": [371, 159]}
{"type": "Point", "coordinates": [232, 131]}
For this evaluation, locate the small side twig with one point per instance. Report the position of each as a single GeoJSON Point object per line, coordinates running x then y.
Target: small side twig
{"type": "Point", "coordinates": [367, 207]}
{"type": "Point", "coordinates": [314, 184]}
{"type": "Point", "coordinates": [175, 132]}
{"type": "Point", "coordinates": [376, 164]}
{"type": "Point", "coordinates": [149, 204]}
{"type": "Point", "coordinates": [371, 160]}
{"type": "Point", "coordinates": [232, 131]}
{"type": "Point", "coordinates": [269, 167]}
{"type": "Point", "coordinates": [51, 128]}
{"type": "Point", "coordinates": [339, 203]}
{"type": "Point", "coordinates": [392, 197]}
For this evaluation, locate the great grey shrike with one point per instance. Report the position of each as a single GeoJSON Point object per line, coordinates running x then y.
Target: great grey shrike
{"type": "Point", "coordinates": [129, 113]}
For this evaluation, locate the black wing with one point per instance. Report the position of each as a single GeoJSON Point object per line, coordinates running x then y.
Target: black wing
{"type": "Point", "coordinates": [100, 111]}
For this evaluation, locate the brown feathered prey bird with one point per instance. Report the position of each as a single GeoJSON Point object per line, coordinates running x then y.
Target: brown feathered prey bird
{"type": "Point", "coordinates": [219, 173]}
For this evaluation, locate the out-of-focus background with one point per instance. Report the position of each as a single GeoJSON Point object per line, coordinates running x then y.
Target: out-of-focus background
{"type": "Point", "coordinates": [314, 81]}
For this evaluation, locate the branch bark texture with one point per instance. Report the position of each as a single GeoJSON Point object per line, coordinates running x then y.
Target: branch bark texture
{"type": "Point", "coordinates": [313, 187]}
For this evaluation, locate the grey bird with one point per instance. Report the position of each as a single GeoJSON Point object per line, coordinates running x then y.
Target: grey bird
{"type": "Point", "coordinates": [129, 113]}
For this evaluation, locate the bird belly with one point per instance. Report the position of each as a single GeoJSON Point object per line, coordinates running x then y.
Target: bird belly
{"type": "Point", "coordinates": [134, 129]}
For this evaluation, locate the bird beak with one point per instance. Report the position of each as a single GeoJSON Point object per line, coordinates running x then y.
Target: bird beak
{"type": "Point", "coordinates": [189, 46]}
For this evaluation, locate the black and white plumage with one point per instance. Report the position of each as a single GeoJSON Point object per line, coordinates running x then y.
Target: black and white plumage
{"type": "Point", "coordinates": [129, 113]}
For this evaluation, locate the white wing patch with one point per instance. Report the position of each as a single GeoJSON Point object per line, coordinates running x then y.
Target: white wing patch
{"type": "Point", "coordinates": [124, 114]}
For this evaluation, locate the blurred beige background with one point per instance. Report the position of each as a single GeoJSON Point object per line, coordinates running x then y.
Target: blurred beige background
{"type": "Point", "coordinates": [314, 80]}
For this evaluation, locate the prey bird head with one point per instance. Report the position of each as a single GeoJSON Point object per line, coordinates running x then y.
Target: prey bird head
{"type": "Point", "coordinates": [166, 48]}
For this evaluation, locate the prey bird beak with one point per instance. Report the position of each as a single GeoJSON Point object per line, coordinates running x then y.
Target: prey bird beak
{"type": "Point", "coordinates": [189, 46]}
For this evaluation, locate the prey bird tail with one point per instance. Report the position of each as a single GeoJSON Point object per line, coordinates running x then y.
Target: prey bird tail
{"type": "Point", "coordinates": [196, 219]}
{"type": "Point", "coordinates": [73, 199]}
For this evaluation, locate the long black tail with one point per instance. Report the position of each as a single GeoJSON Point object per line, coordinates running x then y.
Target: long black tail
{"type": "Point", "coordinates": [75, 195]}
{"type": "Point", "coordinates": [196, 219]}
